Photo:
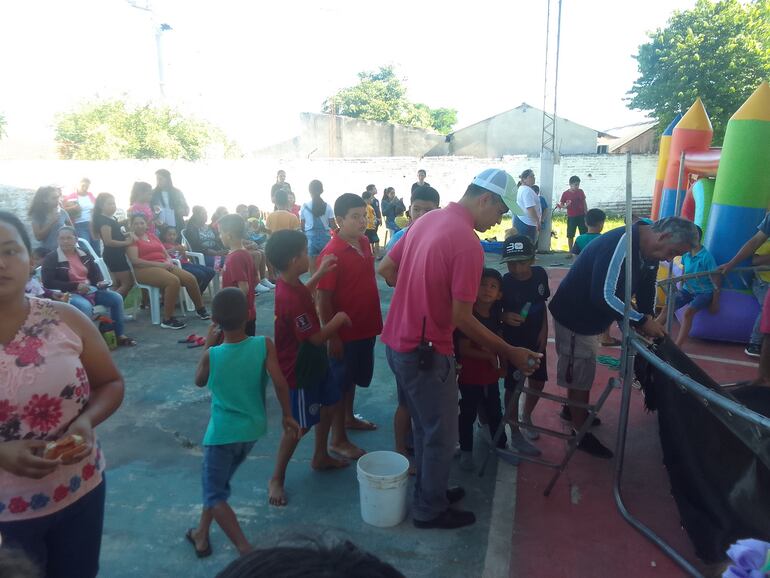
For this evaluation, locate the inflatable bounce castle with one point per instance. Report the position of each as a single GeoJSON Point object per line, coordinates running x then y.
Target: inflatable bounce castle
{"type": "Point", "coordinates": [729, 196]}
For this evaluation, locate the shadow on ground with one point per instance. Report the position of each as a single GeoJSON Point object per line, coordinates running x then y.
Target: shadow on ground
{"type": "Point", "coordinates": [153, 454]}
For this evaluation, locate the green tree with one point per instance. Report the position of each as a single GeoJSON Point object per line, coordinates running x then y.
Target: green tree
{"type": "Point", "coordinates": [380, 95]}
{"type": "Point", "coordinates": [719, 51]}
{"type": "Point", "coordinates": [112, 129]}
{"type": "Point", "coordinates": [2, 125]}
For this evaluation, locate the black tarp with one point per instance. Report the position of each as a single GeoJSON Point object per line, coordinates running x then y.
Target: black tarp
{"type": "Point", "coordinates": [717, 463]}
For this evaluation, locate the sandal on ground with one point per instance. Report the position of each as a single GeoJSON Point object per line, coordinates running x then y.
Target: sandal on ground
{"type": "Point", "coordinates": [199, 342]}
{"type": "Point", "coordinates": [189, 339]}
{"type": "Point", "coordinates": [199, 553]}
{"type": "Point", "coordinates": [126, 341]}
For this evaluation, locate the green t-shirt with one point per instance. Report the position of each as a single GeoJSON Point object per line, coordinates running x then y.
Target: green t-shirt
{"type": "Point", "coordinates": [237, 380]}
{"type": "Point", "coordinates": [582, 241]}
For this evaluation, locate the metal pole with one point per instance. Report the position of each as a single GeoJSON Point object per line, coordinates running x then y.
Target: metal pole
{"type": "Point", "coordinates": [627, 373]}
{"type": "Point", "coordinates": [677, 209]}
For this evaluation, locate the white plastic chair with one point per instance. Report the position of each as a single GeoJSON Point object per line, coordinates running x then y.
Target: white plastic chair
{"type": "Point", "coordinates": [154, 293]}
{"type": "Point", "coordinates": [200, 259]}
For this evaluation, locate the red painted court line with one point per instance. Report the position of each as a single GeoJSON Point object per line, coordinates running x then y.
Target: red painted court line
{"type": "Point", "coordinates": [577, 532]}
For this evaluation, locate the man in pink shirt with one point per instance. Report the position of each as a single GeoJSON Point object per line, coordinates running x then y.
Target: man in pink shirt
{"type": "Point", "coordinates": [438, 276]}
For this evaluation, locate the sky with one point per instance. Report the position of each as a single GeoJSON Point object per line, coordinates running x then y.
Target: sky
{"type": "Point", "coordinates": [252, 67]}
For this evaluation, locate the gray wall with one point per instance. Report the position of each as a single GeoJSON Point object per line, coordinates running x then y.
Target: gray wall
{"type": "Point", "coordinates": [352, 138]}
{"type": "Point", "coordinates": [516, 132]}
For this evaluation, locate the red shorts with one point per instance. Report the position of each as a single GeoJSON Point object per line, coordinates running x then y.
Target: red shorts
{"type": "Point", "coordinates": [764, 324]}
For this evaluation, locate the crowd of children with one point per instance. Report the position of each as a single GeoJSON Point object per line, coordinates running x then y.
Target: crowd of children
{"type": "Point", "coordinates": [326, 327]}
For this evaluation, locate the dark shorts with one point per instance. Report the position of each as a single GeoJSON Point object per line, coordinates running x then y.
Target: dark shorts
{"type": "Point", "coordinates": [541, 374]}
{"type": "Point", "coordinates": [219, 464]}
{"type": "Point", "coordinates": [371, 234]}
{"type": "Point", "coordinates": [697, 301]}
{"type": "Point", "coordinates": [306, 402]}
{"type": "Point", "coordinates": [356, 366]}
{"type": "Point", "coordinates": [115, 260]}
{"type": "Point", "coordinates": [576, 223]}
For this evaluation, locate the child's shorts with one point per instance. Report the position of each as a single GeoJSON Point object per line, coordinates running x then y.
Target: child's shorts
{"type": "Point", "coordinates": [371, 234]}
{"type": "Point", "coordinates": [306, 402]}
{"type": "Point", "coordinates": [540, 374]}
{"type": "Point", "coordinates": [576, 367]}
{"type": "Point", "coordinates": [356, 366]}
{"type": "Point", "coordinates": [697, 301]}
{"type": "Point", "coordinates": [219, 465]}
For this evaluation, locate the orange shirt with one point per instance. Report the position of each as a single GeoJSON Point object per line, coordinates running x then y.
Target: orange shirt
{"type": "Point", "coordinates": [280, 220]}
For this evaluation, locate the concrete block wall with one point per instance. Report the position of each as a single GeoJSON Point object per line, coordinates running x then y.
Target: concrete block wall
{"type": "Point", "coordinates": [230, 182]}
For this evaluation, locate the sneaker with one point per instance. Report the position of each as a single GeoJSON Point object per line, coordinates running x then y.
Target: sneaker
{"type": "Point", "coordinates": [267, 283]}
{"type": "Point", "coordinates": [566, 415]}
{"type": "Point", "coordinates": [520, 444]}
{"type": "Point", "coordinates": [449, 519]}
{"type": "Point", "coordinates": [590, 444]}
{"type": "Point", "coordinates": [259, 289]}
{"type": "Point", "coordinates": [202, 313]}
{"type": "Point", "coordinates": [466, 462]}
{"type": "Point", "coordinates": [530, 434]}
{"type": "Point", "coordinates": [753, 349]}
{"type": "Point", "coordinates": [172, 323]}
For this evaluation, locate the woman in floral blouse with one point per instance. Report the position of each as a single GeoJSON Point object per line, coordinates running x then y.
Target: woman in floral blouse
{"type": "Point", "coordinates": [56, 378]}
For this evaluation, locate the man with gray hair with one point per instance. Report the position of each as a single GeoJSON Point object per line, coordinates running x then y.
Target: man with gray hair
{"type": "Point", "coordinates": [592, 295]}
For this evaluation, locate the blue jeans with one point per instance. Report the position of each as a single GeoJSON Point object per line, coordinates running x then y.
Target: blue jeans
{"type": "Point", "coordinates": [203, 275]}
{"type": "Point", "coordinates": [316, 241]}
{"type": "Point", "coordinates": [431, 397]}
{"type": "Point", "coordinates": [66, 543]}
{"type": "Point", "coordinates": [759, 288]}
{"type": "Point", "coordinates": [106, 298]}
{"type": "Point", "coordinates": [219, 465]}
{"type": "Point", "coordinates": [523, 229]}
{"type": "Point", "coordinates": [83, 231]}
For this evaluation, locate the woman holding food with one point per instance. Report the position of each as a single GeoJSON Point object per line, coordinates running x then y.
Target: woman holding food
{"type": "Point", "coordinates": [57, 382]}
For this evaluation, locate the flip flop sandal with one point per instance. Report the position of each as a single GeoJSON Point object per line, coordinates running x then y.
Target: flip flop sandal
{"type": "Point", "coordinates": [126, 341]}
{"type": "Point", "coordinates": [199, 342]}
{"type": "Point", "coordinates": [189, 339]}
{"type": "Point", "coordinates": [199, 553]}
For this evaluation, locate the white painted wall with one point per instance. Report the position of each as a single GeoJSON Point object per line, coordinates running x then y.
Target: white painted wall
{"type": "Point", "coordinates": [248, 181]}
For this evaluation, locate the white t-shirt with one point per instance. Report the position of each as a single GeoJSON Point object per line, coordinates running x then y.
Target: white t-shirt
{"type": "Point", "coordinates": [306, 215]}
{"type": "Point", "coordinates": [86, 208]}
{"type": "Point", "coordinates": [526, 197]}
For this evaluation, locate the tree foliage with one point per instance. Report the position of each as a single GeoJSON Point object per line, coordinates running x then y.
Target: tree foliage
{"type": "Point", "coordinates": [113, 129]}
{"type": "Point", "coordinates": [719, 51]}
{"type": "Point", "coordinates": [380, 95]}
{"type": "Point", "coordinates": [2, 125]}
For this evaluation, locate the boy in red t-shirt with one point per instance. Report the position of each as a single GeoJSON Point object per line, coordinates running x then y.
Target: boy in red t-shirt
{"type": "Point", "coordinates": [301, 345]}
{"type": "Point", "coordinates": [351, 288]}
{"type": "Point", "coordinates": [480, 370]}
{"type": "Point", "coordinates": [574, 200]}
{"type": "Point", "coordinates": [239, 269]}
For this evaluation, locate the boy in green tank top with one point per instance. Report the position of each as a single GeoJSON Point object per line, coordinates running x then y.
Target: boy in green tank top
{"type": "Point", "coordinates": [236, 372]}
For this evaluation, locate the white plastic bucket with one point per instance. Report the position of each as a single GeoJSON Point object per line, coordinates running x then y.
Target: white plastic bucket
{"type": "Point", "coordinates": [382, 479]}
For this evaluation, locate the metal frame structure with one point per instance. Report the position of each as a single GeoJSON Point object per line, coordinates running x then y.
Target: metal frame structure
{"type": "Point", "coordinates": [633, 345]}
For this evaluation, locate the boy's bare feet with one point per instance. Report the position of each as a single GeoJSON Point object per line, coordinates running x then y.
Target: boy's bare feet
{"type": "Point", "coordinates": [358, 423]}
{"type": "Point", "coordinates": [276, 495]}
{"type": "Point", "coordinates": [328, 463]}
{"type": "Point", "coordinates": [348, 450]}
